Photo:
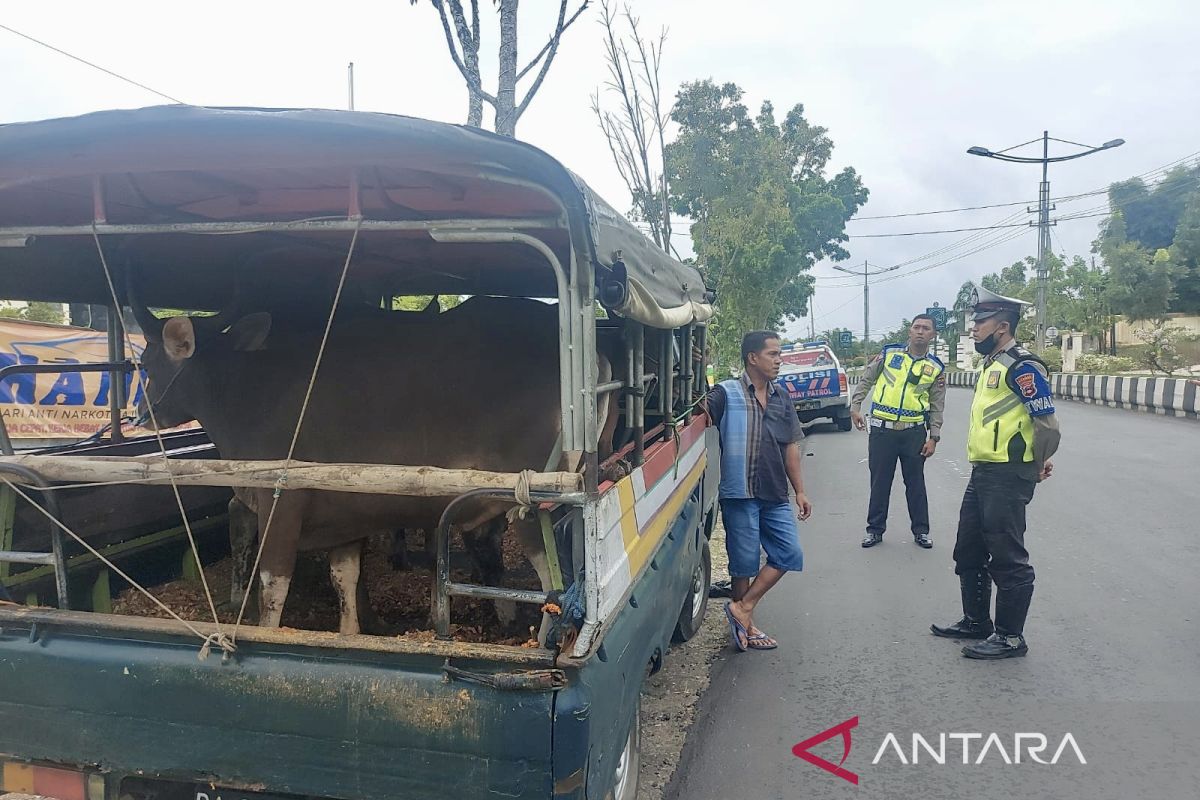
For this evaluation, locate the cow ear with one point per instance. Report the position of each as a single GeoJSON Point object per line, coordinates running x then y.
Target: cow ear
{"type": "Point", "coordinates": [250, 332]}
{"type": "Point", "coordinates": [179, 338]}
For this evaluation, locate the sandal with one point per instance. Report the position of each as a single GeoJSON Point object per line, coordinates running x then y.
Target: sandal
{"type": "Point", "coordinates": [760, 641]}
{"type": "Point", "coordinates": [737, 631]}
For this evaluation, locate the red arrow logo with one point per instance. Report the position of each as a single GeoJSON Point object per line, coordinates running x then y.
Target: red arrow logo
{"type": "Point", "coordinates": [844, 728]}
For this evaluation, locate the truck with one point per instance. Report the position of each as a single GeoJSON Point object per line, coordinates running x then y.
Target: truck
{"type": "Point", "coordinates": [816, 383]}
{"type": "Point", "coordinates": [180, 201]}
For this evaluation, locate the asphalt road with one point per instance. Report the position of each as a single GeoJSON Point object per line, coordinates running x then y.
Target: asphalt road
{"type": "Point", "coordinates": [1114, 635]}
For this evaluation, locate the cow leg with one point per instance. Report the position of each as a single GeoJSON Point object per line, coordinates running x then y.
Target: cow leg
{"type": "Point", "coordinates": [243, 547]}
{"type": "Point", "coordinates": [529, 535]}
{"type": "Point", "coordinates": [278, 562]}
{"type": "Point", "coordinates": [485, 546]}
{"type": "Point", "coordinates": [345, 567]}
{"type": "Point", "coordinates": [399, 554]}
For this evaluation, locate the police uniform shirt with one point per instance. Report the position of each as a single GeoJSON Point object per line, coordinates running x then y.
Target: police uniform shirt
{"type": "Point", "coordinates": [937, 393]}
{"type": "Point", "coordinates": [1030, 382]}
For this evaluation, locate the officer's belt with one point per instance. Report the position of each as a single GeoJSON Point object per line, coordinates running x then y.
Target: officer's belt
{"type": "Point", "coordinates": [895, 426]}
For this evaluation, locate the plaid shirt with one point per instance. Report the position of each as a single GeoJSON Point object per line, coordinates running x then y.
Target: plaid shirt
{"type": "Point", "coordinates": [753, 458]}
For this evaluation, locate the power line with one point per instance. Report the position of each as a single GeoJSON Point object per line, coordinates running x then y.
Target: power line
{"type": "Point", "coordinates": [92, 65]}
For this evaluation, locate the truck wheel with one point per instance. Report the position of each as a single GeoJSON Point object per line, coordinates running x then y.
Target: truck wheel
{"type": "Point", "coordinates": [629, 763]}
{"type": "Point", "coordinates": [691, 617]}
{"type": "Point", "coordinates": [844, 423]}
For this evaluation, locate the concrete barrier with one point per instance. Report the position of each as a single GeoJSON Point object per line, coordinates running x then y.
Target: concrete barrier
{"type": "Point", "coordinates": [1172, 397]}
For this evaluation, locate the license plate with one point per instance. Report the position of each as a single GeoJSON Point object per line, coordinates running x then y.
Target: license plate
{"type": "Point", "coordinates": [808, 405]}
{"type": "Point", "coordinates": [208, 793]}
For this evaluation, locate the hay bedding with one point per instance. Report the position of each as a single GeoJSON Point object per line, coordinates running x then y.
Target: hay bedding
{"type": "Point", "coordinates": [401, 599]}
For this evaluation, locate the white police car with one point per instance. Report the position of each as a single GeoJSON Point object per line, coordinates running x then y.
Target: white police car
{"type": "Point", "coordinates": [816, 383]}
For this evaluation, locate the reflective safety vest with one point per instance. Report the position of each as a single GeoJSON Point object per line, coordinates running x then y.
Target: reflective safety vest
{"type": "Point", "coordinates": [998, 414]}
{"type": "Point", "coordinates": [902, 388]}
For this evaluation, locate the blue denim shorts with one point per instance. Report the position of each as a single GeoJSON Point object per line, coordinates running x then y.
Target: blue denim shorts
{"type": "Point", "coordinates": [753, 524]}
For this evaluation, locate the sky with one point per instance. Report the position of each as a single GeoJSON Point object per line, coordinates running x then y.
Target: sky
{"type": "Point", "coordinates": [904, 89]}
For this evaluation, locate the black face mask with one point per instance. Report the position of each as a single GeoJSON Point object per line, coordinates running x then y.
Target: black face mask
{"type": "Point", "coordinates": [986, 347]}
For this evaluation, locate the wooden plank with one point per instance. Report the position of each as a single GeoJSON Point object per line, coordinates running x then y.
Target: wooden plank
{"type": "Point", "coordinates": [361, 478]}
{"type": "Point", "coordinates": [88, 623]}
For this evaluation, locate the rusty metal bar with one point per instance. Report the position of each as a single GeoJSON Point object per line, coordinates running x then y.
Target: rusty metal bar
{"type": "Point", "coordinates": [56, 555]}
{"type": "Point", "coordinates": [317, 225]}
{"type": "Point", "coordinates": [442, 584]}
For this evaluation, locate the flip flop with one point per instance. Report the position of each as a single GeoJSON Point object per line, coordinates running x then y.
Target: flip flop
{"type": "Point", "coordinates": [735, 628]}
{"type": "Point", "coordinates": [760, 637]}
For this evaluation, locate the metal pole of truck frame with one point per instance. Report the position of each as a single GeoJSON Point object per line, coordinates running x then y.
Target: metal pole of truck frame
{"type": "Point", "coordinates": [1044, 208]}
{"type": "Point", "coordinates": [866, 275]}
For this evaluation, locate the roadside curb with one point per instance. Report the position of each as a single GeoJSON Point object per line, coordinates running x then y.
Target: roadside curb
{"type": "Point", "coordinates": [1171, 397]}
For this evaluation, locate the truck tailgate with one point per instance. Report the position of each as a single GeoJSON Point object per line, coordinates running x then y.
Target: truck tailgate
{"type": "Point", "coordinates": [297, 719]}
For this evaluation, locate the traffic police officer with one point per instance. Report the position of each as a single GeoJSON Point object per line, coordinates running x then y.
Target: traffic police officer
{"type": "Point", "coordinates": [907, 385]}
{"type": "Point", "coordinates": [1012, 436]}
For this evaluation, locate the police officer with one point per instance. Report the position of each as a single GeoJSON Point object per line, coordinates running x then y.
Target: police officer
{"type": "Point", "coordinates": [907, 385]}
{"type": "Point", "coordinates": [1012, 436]}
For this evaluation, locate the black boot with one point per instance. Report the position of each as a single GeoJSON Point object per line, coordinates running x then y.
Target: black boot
{"type": "Point", "coordinates": [976, 586]}
{"type": "Point", "coordinates": [1012, 606]}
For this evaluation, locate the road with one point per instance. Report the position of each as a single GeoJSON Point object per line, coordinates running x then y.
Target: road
{"type": "Point", "coordinates": [1113, 633]}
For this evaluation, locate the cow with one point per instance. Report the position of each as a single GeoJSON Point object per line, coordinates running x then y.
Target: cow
{"type": "Point", "coordinates": [476, 387]}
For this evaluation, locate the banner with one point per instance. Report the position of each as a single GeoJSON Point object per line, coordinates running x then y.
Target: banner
{"type": "Point", "coordinates": [66, 405]}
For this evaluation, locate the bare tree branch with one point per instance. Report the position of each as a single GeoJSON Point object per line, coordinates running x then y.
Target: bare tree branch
{"type": "Point", "coordinates": [551, 51]}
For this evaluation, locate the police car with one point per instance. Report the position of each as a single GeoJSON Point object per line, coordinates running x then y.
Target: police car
{"type": "Point", "coordinates": [816, 383]}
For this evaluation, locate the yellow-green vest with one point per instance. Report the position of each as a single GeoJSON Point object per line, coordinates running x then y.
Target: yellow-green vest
{"type": "Point", "coordinates": [997, 415]}
{"type": "Point", "coordinates": [902, 389]}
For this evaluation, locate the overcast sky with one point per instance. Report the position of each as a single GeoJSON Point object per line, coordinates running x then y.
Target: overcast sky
{"type": "Point", "coordinates": [904, 89]}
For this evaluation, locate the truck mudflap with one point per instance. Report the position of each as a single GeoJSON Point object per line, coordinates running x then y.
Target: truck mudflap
{"type": "Point", "coordinates": [812, 385]}
{"type": "Point", "coordinates": [278, 718]}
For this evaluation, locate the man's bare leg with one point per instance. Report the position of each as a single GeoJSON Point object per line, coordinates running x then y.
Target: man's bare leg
{"type": "Point", "coordinates": [747, 594]}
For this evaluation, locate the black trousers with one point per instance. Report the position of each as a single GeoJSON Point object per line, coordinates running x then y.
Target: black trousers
{"type": "Point", "coordinates": [991, 524]}
{"type": "Point", "coordinates": [884, 448]}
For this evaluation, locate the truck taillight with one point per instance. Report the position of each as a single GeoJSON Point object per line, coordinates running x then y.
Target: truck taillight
{"type": "Point", "coordinates": [842, 382]}
{"type": "Point", "coordinates": [51, 782]}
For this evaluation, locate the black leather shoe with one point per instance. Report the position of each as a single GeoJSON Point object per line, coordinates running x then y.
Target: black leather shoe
{"type": "Point", "coordinates": [997, 646]}
{"type": "Point", "coordinates": [923, 540]}
{"type": "Point", "coordinates": [872, 539]}
{"type": "Point", "coordinates": [965, 628]}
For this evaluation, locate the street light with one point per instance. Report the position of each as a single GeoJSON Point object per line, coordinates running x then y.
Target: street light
{"type": "Point", "coordinates": [1043, 204]}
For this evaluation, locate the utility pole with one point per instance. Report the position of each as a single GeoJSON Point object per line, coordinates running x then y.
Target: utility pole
{"type": "Point", "coordinates": [350, 80]}
{"type": "Point", "coordinates": [1044, 208]}
{"type": "Point", "coordinates": [866, 275]}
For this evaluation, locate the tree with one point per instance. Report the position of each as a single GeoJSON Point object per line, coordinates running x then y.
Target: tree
{"type": "Point", "coordinates": [1185, 257]}
{"type": "Point", "coordinates": [1151, 245]}
{"type": "Point", "coordinates": [764, 212]}
{"type": "Point", "coordinates": [842, 351]}
{"type": "Point", "coordinates": [35, 312]}
{"type": "Point", "coordinates": [1141, 282]}
{"type": "Point", "coordinates": [636, 131]}
{"type": "Point", "coordinates": [419, 302]}
{"type": "Point", "coordinates": [463, 42]}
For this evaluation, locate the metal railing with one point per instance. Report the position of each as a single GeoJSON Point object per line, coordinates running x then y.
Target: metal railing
{"type": "Point", "coordinates": [55, 557]}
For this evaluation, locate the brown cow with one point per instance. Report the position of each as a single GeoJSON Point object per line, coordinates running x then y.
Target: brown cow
{"type": "Point", "coordinates": [474, 388]}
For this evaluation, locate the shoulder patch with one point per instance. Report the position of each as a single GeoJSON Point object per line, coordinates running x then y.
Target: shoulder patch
{"type": "Point", "coordinates": [1030, 384]}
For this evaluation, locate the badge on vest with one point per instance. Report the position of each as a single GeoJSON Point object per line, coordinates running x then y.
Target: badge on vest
{"type": "Point", "coordinates": [897, 361]}
{"type": "Point", "coordinates": [993, 380]}
{"type": "Point", "coordinates": [928, 370]}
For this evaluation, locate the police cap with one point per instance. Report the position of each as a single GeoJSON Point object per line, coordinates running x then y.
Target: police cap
{"type": "Point", "coordinates": [986, 303]}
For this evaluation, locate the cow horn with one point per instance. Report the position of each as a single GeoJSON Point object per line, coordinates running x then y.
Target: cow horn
{"type": "Point", "coordinates": [151, 325]}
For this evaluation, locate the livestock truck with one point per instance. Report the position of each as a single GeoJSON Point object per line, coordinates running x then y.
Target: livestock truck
{"type": "Point", "coordinates": [319, 219]}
